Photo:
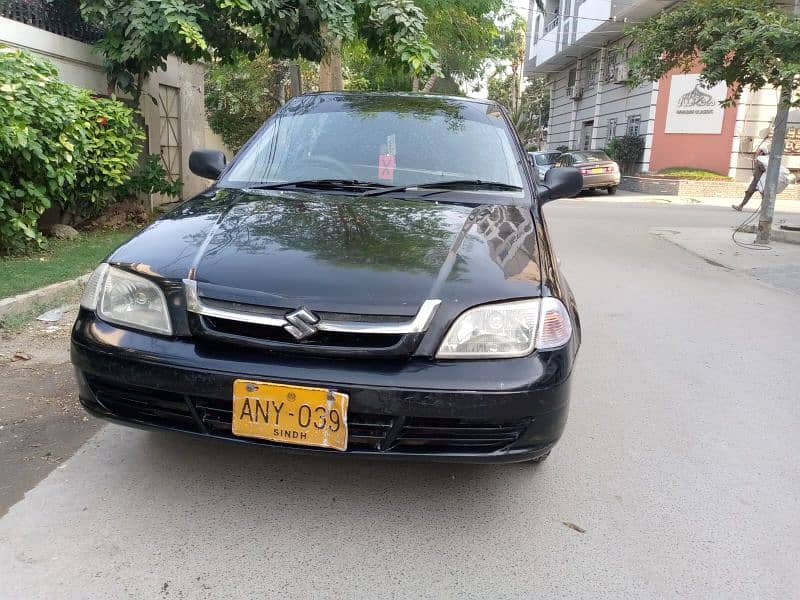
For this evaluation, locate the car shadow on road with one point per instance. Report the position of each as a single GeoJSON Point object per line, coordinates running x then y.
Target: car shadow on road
{"type": "Point", "coordinates": [328, 487]}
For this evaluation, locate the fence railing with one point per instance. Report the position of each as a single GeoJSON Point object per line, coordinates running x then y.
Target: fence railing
{"type": "Point", "coordinates": [61, 17]}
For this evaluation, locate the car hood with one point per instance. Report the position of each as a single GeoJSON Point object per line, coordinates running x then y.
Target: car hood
{"type": "Point", "coordinates": [376, 255]}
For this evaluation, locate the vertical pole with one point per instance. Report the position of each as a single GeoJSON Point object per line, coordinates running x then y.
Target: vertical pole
{"type": "Point", "coordinates": [764, 233]}
{"type": "Point", "coordinates": [773, 168]}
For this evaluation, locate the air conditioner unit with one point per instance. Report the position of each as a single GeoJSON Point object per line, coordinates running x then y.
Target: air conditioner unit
{"type": "Point", "coordinates": [575, 92]}
{"type": "Point", "coordinates": [622, 73]}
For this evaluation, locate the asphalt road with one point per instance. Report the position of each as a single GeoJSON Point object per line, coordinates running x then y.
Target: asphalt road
{"type": "Point", "coordinates": [679, 462]}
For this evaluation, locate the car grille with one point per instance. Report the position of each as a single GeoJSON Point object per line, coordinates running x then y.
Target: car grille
{"type": "Point", "coordinates": [322, 343]}
{"type": "Point", "coordinates": [266, 333]}
{"type": "Point", "coordinates": [367, 432]}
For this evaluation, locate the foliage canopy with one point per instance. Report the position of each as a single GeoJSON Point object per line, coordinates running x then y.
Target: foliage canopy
{"type": "Point", "coordinates": [741, 42]}
{"type": "Point", "coordinates": [140, 34]}
{"type": "Point", "coordinates": [467, 35]}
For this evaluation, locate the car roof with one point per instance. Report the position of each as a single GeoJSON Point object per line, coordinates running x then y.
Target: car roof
{"type": "Point", "coordinates": [464, 99]}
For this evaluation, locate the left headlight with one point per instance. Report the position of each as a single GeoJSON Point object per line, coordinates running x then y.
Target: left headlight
{"type": "Point", "coordinates": [126, 299]}
{"type": "Point", "coordinates": [507, 330]}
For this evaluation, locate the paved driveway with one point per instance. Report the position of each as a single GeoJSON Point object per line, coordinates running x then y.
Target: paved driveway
{"type": "Point", "coordinates": [679, 462]}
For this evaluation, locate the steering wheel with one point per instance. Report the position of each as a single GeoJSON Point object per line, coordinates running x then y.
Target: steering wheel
{"type": "Point", "coordinates": [339, 169]}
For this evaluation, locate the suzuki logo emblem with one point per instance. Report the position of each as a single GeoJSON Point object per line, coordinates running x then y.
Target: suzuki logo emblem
{"type": "Point", "coordinates": [301, 323]}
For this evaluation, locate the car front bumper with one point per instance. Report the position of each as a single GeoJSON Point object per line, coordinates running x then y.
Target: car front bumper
{"type": "Point", "coordinates": [469, 411]}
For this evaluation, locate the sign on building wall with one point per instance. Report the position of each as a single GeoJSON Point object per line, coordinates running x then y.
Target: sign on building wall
{"type": "Point", "coordinates": [693, 108]}
{"type": "Point", "coordinates": [792, 140]}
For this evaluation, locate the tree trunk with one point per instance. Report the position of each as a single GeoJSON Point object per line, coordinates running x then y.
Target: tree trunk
{"type": "Point", "coordinates": [280, 92]}
{"type": "Point", "coordinates": [296, 81]}
{"type": "Point", "coordinates": [429, 85]}
{"type": "Point", "coordinates": [415, 84]}
{"type": "Point", "coordinates": [330, 68]}
{"type": "Point", "coordinates": [773, 168]}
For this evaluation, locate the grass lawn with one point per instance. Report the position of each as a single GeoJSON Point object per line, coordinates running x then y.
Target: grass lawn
{"type": "Point", "coordinates": [62, 260]}
{"type": "Point", "coordinates": [692, 173]}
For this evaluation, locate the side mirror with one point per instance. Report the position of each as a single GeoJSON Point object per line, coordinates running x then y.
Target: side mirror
{"type": "Point", "coordinates": [207, 163]}
{"type": "Point", "coordinates": [560, 182]}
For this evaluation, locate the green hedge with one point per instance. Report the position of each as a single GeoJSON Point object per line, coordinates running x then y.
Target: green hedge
{"type": "Point", "coordinates": [58, 145]}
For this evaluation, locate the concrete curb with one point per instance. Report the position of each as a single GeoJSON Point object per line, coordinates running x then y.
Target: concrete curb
{"type": "Point", "coordinates": [778, 235]}
{"type": "Point", "coordinates": [15, 305]}
{"type": "Point", "coordinates": [792, 206]}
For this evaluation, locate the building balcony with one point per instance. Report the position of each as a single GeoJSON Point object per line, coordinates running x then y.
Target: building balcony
{"type": "Point", "coordinates": [580, 30]}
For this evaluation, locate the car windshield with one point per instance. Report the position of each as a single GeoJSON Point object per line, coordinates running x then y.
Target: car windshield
{"type": "Point", "coordinates": [381, 139]}
{"type": "Point", "coordinates": [595, 156]}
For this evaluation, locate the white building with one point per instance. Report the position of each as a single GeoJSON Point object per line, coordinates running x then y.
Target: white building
{"type": "Point", "coordinates": [174, 127]}
{"type": "Point", "coordinates": [581, 48]}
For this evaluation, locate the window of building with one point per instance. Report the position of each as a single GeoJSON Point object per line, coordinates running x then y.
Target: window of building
{"type": "Point", "coordinates": [591, 72]}
{"type": "Point", "coordinates": [612, 60]}
{"type": "Point", "coordinates": [537, 28]}
{"type": "Point", "coordinates": [634, 125]}
{"type": "Point", "coordinates": [611, 129]}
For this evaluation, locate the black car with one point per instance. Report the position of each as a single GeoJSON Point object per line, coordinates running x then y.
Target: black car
{"type": "Point", "coordinates": [371, 275]}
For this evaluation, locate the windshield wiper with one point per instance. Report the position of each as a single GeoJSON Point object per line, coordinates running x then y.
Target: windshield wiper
{"type": "Point", "coordinates": [321, 184]}
{"type": "Point", "coordinates": [455, 184]}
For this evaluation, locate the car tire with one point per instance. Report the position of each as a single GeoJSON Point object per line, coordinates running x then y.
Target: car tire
{"type": "Point", "coordinates": [612, 190]}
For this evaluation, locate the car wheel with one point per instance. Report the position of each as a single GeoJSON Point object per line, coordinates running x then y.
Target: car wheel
{"type": "Point", "coordinates": [612, 190]}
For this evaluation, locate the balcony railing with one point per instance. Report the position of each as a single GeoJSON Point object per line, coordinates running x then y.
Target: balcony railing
{"type": "Point", "coordinates": [552, 23]}
{"type": "Point", "coordinates": [61, 17]}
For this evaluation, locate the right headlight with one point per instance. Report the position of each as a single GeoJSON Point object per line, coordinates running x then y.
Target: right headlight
{"type": "Point", "coordinates": [124, 298]}
{"type": "Point", "coordinates": [507, 330]}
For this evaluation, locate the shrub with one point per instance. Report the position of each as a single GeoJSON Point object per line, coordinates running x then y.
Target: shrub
{"type": "Point", "coordinates": [693, 173]}
{"type": "Point", "coordinates": [110, 151]}
{"type": "Point", "coordinates": [151, 178]}
{"type": "Point", "coordinates": [58, 145]}
{"type": "Point", "coordinates": [626, 150]}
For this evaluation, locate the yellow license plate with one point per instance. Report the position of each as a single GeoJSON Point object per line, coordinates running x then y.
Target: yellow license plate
{"type": "Point", "coordinates": [597, 171]}
{"type": "Point", "coordinates": [290, 414]}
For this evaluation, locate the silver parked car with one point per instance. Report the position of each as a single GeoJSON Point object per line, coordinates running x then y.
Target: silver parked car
{"type": "Point", "coordinates": [598, 170]}
{"type": "Point", "coordinates": [542, 161]}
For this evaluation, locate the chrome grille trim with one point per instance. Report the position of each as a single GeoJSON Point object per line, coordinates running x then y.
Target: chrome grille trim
{"type": "Point", "coordinates": [418, 324]}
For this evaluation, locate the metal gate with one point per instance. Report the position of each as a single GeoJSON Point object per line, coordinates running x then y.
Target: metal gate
{"type": "Point", "coordinates": [169, 108]}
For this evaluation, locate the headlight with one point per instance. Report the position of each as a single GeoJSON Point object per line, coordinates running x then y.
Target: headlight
{"type": "Point", "coordinates": [127, 299]}
{"type": "Point", "coordinates": [507, 330]}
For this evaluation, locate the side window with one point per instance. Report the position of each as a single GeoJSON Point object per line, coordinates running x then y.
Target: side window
{"type": "Point", "coordinates": [572, 77]}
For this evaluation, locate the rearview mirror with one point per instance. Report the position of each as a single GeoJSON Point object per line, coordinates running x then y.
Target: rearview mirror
{"type": "Point", "coordinates": [207, 163]}
{"type": "Point", "coordinates": [560, 182]}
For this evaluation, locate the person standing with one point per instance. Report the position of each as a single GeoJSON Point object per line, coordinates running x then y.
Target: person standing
{"type": "Point", "coordinates": [759, 168]}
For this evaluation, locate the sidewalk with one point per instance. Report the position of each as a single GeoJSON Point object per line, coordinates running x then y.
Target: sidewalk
{"type": "Point", "coordinates": [778, 266]}
{"type": "Point", "coordinates": [624, 196]}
